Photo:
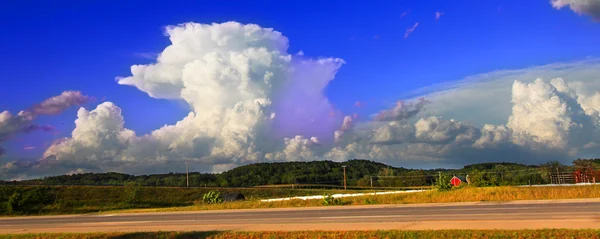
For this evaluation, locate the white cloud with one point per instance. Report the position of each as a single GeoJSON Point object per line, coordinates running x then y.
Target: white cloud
{"type": "Point", "coordinates": [486, 98]}
{"type": "Point", "coordinates": [252, 102]}
{"type": "Point", "coordinates": [98, 139]}
{"type": "Point", "coordinates": [587, 7]}
{"type": "Point", "coordinates": [550, 113]}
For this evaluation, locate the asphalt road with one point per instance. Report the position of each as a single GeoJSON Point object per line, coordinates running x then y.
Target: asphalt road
{"type": "Point", "coordinates": [564, 214]}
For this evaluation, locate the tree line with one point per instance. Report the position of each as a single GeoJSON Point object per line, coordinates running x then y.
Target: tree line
{"type": "Point", "coordinates": [359, 173]}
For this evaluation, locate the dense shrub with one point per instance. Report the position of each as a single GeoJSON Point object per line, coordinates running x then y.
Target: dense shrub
{"type": "Point", "coordinates": [28, 201]}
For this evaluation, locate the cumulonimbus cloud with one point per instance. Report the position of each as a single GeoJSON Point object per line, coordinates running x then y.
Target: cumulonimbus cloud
{"type": "Point", "coordinates": [250, 101]}
{"type": "Point", "coordinates": [253, 102]}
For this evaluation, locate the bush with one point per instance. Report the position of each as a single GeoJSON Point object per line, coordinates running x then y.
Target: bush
{"type": "Point", "coordinates": [329, 200]}
{"type": "Point", "coordinates": [212, 197]}
{"type": "Point", "coordinates": [14, 203]}
{"type": "Point", "coordinates": [28, 201]}
{"type": "Point", "coordinates": [132, 192]}
{"type": "Point", "coordinates": [443, 183]}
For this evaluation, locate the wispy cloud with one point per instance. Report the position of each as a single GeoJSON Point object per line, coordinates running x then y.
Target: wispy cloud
{"type": "Point", "coordinates": [29, 148]}
{"type": "Point", "coordinates": [146, 55]}
{"type": "Point", "coordinates": [376, 37]}
{"type": "Point", "coordinates": [410, 30]}
{"type": "Point", "coordinates": [359, 104]}
{"type": "Point", "coordinates": [438, 15]}
{"type": "Point", "coordinates": [57, 104]}
{"type": "Point", "coordinates": [405, 13]}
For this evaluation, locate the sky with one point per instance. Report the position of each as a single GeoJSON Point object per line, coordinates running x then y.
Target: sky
{"type": "Point", "coordinates": [227, 83]}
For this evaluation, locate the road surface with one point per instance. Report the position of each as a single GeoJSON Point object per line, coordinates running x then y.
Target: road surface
{"type": "Point", "coordinates": [513, 215]}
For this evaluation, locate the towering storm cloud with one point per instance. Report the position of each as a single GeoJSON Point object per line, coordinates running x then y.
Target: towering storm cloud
{"type": "Point", "coordinates": [251, 101]}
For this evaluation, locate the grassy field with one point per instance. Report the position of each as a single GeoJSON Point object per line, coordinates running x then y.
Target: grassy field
{"type": "Point", "coordinates": [444, 234]}
{"type": "Point", "coordinates": [467, 194]}
{"type": "Point", "coordinates": [44, 200]}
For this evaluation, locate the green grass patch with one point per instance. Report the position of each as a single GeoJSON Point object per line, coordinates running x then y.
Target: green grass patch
{"type": "Point", "coordinates": [434, 234]}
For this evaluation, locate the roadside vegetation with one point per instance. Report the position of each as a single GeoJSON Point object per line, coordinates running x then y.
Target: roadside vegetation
{"type": "Point", "coordinates": [47, 200]}
{"type": "Point", "coordinates": [441, 234]}
{"type": "Point", "coordinates": [457, 194]}
{"type": "Point", "coordinates": [52, 200]}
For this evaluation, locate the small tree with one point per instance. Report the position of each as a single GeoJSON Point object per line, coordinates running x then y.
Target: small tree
{"type": "Point", "coordinates": [443, 183]}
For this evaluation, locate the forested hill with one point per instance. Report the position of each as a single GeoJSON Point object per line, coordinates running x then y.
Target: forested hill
{"type": "Point", "coordinates": [358, 173]}
{"type": "Point", "coordinates": [304, 172]}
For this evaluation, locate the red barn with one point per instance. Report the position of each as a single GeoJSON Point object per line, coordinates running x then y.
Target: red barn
{"type": "Point", "coordinates": [455, 181]}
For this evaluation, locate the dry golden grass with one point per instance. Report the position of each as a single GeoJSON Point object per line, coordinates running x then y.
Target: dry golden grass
{"type": "Point", "coordinates": [467, 194]}
{"type": "Point", "coordinates": [442, 234]}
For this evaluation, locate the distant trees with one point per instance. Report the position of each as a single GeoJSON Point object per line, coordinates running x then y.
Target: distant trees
{"type": "Point", "coordinates": [359, 172]}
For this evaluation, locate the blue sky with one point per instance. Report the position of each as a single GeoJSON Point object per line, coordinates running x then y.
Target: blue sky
{"type": "Point", "coordinates": [51, 46]}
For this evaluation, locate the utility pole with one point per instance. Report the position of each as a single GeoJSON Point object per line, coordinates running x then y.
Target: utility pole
{"type": "Point", "coordinates": [371, 181]}
{"type": "Point", "coordinates": [344, 166]}
{"type": "Point", "coordinates": [557, 175]}
{"type": "Point", "coordinates": [187, 172]}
